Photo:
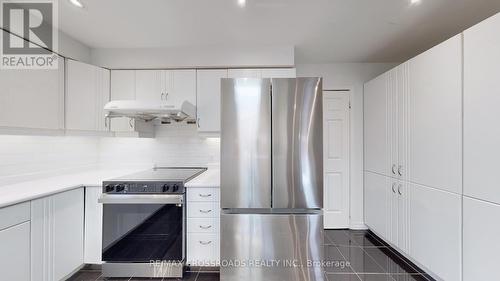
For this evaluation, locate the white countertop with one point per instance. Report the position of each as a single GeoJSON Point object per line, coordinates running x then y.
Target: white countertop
{"type": "Point", "coordinates": [210, 178]}
{"type": "Point", "coordinates": [24, 191]}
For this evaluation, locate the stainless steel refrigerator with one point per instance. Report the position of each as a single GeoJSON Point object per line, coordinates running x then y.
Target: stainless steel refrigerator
{"type": "Point", "coordinates": [271, 179]}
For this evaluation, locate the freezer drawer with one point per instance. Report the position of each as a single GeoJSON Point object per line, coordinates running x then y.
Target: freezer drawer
{"type": "Point", "coordinates": [271, 247]}
{"type": "Point", "coordinates": [297, 143]}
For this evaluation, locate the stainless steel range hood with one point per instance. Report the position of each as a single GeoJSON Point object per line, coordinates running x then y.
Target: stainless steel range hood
{"type": "Point", "coordinates": [149, 111]}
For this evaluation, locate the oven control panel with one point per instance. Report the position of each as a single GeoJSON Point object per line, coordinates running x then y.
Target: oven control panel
{"type": "Point", "coordinates": [113, 187]}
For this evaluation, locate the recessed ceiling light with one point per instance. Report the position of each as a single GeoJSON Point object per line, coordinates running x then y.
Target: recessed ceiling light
{"type": "Point", "coordinates": [415, 2]}
{"type": "Point", "coordinates": [77, 3]}
{"type": "Point", "coordinates": [242, 3]}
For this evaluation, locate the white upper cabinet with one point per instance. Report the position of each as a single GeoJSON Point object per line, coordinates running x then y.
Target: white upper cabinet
{"type": "Point", "coordinates": [482, 110]}
{"type": "Point", "coordinates": [208, 99]}
{"type": "Point", "coordinates": [183, 87]}
{"type": "Point", "coordinates": [376, 125]}
{"type": "Point", "coordinates": [279, 73]}
{"type": "Point", "coordinates": [435, 117]}
{"type": "Point", "coordinates": [32, 98]}
{"type": "Point", "coordinates": [150, 85]}
{"type": "Point", "coordinates": [171, 87]}
{"type": "Point", "coordinates": [87, 91]}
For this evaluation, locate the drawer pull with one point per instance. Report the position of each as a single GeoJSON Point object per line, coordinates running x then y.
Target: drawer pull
{"type": "Point", "coordinates": [205, 195]}
{"type": "Point", "coordinates": [205, 242]}
{"type": "Point", "coordinates": [205, 211]}
{"type": "Point", "coordinates": [205, 227]}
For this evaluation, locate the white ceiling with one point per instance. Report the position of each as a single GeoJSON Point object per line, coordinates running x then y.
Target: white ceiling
{"type": "Point", "coordinates": [321, 30]}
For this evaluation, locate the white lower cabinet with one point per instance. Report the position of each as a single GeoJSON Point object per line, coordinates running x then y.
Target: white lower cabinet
{"type": "Point", "coordinates": [93, 226]}
{"type": "Point", "coordinates": [435, 235]}
{"type": "Point", "coordinates": [57, 228]}
{"type": "Point", "coordinates": [15, 242]}
{"type": "Point", "coordinates": [203, 226]}
{"type": "Point", "coordinates": [480, 247]}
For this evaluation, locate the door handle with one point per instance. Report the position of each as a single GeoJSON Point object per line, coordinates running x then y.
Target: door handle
{"type": "Point", "coordinates": [205, 227]}
{"type": "Point", "coordinates": [400, 168]}
{"type": "Point", "coordinates": [399, 189]}
{"type": "Point", "coordinates": [393, 185]}
{"type": "Point", "coordinates": [205, 211]}
{"type": "Point", "coordinates": [393, 169]}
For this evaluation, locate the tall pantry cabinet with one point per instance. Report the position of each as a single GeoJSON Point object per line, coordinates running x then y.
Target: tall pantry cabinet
{"type": "Point", "coordinates": [413, 156]}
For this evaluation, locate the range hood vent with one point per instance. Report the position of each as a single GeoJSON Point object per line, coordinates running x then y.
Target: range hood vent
{"type": "Point", "coordinates": [149, 111]}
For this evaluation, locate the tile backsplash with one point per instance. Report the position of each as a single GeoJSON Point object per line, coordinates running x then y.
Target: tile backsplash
{"type": "Point", "coordinates": [29, 157]}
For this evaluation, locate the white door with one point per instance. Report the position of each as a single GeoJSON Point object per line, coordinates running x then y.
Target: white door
{"type": "Point", "coordinates": [122, 88]}
{"type": "Point", "coordinates": [150, 85]}
{"type": "Point", "coordinates": [183, 88]}
{"type": "Point", "coordinates": [336, 158]}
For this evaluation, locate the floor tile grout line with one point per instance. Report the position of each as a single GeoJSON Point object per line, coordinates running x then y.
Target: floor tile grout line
{"type": "Point", "coordinates": [359, 278]}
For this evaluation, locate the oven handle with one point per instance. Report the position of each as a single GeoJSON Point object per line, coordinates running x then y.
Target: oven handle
{"type": "Point", "coordinates": [141, 199]}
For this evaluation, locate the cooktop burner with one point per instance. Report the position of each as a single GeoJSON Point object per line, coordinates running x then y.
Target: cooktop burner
{"type": "Point", "coordinates": [158, 180]}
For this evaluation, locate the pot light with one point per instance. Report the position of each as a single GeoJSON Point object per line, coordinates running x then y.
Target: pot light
{"type": "Point", "coordinates": [242, 3]}
{"type": "Point", "coordinates": [76, 3]}
{"type": "Point", "coordinates": [415, 2]}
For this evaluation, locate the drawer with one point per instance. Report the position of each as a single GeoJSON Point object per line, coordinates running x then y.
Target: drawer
{"type": "Point", "coordinates": [16, 214]}
{"type": "Point", "coordinates": [203, 249]}
{"type": "Point", "coordinates": [196, 194]}
{"type": "Point", "coordinates": [203, 209]}
{"type": "Point", "coordinates": [203, 225]}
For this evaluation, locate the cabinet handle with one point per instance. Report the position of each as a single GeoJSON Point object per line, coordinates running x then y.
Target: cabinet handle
{"type": "Point", "coordinates": [162, 94]}
{"type": "Point", "coordinates": [130, 123]}
{"type": "Point", "coordinates": [205, 211]}
{"type": "Point", "coordinates": [400, 168]}
{"type": "Point", "coordinates": [205, 195]}
{"type": "Point", "coordinates": [394, 169]}
{"type": "Point", "coordinates": [105, 122]}
{"type": "Point", "coordinates": [399, 189]}
{"type": "Point", "coordinates": [205, 227]}
{"type": "Point", "coordinates": [198, 122]}
{"type": "Point", "coordinates": [393, 185]}
{"type": "Point", "coordinates": [205, 242]}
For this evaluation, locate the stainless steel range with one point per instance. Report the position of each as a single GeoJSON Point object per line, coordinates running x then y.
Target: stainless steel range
{"type": "Point", "coordinates": [144, 223]}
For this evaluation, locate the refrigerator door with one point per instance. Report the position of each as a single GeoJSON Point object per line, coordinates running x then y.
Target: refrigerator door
{"type": "Point", "coordinates": [272, 247]}
{"type": "Point", "coordinates": [297, 125]}
{"type": "Point", "coordinates": [246, 143]}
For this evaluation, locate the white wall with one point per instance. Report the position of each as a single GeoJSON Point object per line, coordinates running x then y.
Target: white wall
{"type": "Point", "coordinates": [350, 76]}
{"type": "Point", "coordinates": [195, 57]}
{"type": "Point", "coordinates": [29, 157]}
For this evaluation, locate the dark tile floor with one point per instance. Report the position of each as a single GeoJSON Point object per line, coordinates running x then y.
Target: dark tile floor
{"type": "Point", "coordinates": [352, 255]}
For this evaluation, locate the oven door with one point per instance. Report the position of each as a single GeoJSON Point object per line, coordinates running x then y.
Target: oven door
{"type": "Point", "coordinates": [143, 228]}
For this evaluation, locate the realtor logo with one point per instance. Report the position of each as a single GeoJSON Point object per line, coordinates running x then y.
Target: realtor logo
{"type": "Point", "coordinates": [29, 38]}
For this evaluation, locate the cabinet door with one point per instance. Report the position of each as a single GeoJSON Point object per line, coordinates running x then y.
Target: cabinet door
{"type": "Point", "coordinates": [32, 98]}
{"type": "Point", "coordinates": [57, 228]}
{"type": "Point", "coordinates": [435, 114]}
{"type": "Point", "coordinates": [87, 93]}
{"type": "Point", "coordinates": [377, 203]}
{"type": "Point", "coordinates": [208, 99]}
{"type": "Point", "coordinates": [377, 112]}
{"type": "Point", "coordinates": [150, 85]}
{"type": "Point", "coordinates": [481, 110]}
{"type": "Point", "coordinates": [103, 84]}
{"type": "Point", "coordinates": [244, 73]}
{"type": "Point", "coordinates": [279, 73]}
{"type": "Point", "coordinates": [93, 226]}
{"type": "Point", "coordinates": [436, 230]}
{"type": "Point", "coordinates": [399, 215]}
{"type": "Point", "coordinates": [480, 253]}
{"type": "Point", "coordinates": [401, 119]}
{"type": "Point", "coordinates": [183, 87]}
{"type": "Point", "coordinates": [122, 88]}
{"type": "Point", "coordinates": [15, 252]}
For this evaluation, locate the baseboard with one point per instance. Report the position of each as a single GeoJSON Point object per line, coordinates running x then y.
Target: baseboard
{"type": "Point", "coordinates": [358, 226]}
